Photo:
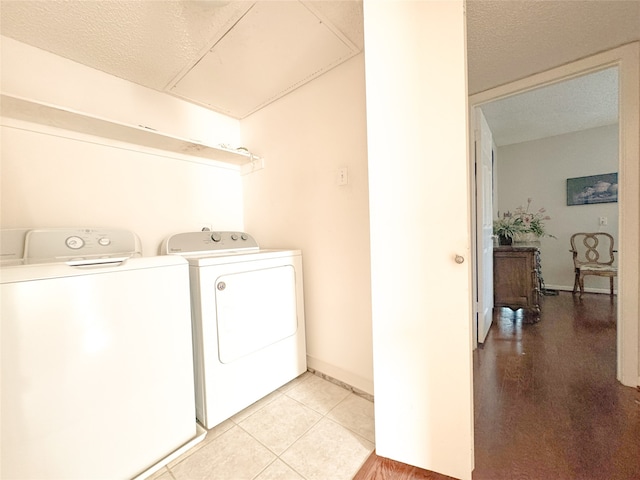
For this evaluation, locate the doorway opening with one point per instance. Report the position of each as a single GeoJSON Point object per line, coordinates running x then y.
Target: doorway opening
{"type": "Point", "coordinates": [621, 65]}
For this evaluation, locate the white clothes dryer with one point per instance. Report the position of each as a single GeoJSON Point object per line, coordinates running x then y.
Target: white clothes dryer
{"type": "Point", "coordinates": [248, 319]}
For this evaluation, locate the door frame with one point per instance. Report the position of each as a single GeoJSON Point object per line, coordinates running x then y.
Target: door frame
{"type": "Point", "coordinates": [480, 268]}
{"type": "Point", "coordinates": [627, 59]}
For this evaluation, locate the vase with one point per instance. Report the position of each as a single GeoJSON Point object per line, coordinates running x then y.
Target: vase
{"type": "Point", "coordinates": [502, 240]}
{"type": "Point", "coordinates": [526, 239]}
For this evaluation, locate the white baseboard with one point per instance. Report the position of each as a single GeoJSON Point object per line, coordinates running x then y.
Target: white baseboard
{"type": "Point", "coordinates": [566, 288]}
{"type": "Point", "coordinates": [338, 373]}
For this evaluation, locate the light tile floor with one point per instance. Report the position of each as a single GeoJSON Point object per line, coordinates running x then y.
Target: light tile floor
{"type": "Point", "coordinates": [309, 429]}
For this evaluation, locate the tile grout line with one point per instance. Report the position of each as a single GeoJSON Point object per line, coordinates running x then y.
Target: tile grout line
{"type": "Point", "coordinates": [286, 392]}
{"type": "Point", "coordinates": [323, 416]}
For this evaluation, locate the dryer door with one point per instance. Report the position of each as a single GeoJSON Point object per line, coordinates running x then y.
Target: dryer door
{"type": "Point", "coordinates": [255, 309]}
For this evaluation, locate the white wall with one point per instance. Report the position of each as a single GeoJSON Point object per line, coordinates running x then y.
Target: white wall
{"type": "Point", "coordinates": [58, 178]}
{"type": "Point", "coordinates": [539, 170]}
{"type": "Point", "coordinates": [295, 201]}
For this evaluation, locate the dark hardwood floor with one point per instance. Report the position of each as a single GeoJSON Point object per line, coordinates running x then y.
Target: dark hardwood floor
{"type": "Point", "coordinates": [380, 468]}
{"type": "Point", "coordinates": [547, 404]}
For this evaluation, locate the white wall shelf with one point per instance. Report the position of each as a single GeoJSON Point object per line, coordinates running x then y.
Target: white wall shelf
{"type": "Point", "coordinates": [55, 116]}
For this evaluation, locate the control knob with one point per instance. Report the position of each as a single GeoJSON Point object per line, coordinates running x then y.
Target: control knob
{"type": "Point", "coordinates": [74, 242]}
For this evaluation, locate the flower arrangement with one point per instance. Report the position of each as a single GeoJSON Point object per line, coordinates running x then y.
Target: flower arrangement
{"type": "Point", "coordinates": [506, 229]}
{"type": "Point", "coordinates": [520, 222]}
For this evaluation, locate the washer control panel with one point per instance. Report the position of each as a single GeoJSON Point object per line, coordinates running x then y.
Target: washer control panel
{"type": "Point", "coordinates": [65, 244]}
{"type": "Point", "coordinates": [208, 242]}
{"type": "Point", "coordinates": [12, 246]}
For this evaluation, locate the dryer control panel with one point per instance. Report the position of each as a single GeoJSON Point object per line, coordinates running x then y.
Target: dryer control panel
{"type": "Point", "coordinates": [208, 242]}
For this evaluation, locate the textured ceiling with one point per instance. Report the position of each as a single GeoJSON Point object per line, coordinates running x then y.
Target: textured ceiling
{"type": "Point", "coordinates": [272, 50]}
{"type": "Point", "coordinates": [509, 40]}
{"type": "Point", "coordinates": [155, 43]}
{"type": "Point", "coordinates": [148, 43]}
{"type": "Point", "coordinates": [578, 104]}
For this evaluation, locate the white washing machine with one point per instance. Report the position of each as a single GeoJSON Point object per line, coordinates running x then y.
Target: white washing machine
{"type": "Point", "coordinates": [96, 355]}
{"type": "Point", "coordinates": [248, 319]}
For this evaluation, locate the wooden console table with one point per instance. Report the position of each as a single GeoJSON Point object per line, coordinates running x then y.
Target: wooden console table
{"type": "Point", "coordinates": [517, 279]}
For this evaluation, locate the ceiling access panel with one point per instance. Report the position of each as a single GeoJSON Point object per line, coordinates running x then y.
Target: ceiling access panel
{"type": "Point", "coordinates": [275, 48]}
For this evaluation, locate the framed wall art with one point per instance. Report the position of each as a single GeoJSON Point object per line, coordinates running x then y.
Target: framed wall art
{"type": "Point", "coordinates": [592, 189]}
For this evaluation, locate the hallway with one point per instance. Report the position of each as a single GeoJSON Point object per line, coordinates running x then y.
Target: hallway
{"type": "Point", "coordinates": [547, 404]}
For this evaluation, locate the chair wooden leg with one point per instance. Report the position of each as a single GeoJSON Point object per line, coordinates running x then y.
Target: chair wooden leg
{"type": "Point", "coordinates": [611, 285]}
{"type": "Point", "coordinates": [581, 285]}
{"type": "Point", "coordinates": [576, 283]}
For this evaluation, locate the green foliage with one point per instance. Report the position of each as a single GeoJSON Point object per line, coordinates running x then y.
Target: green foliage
{"type": "Point", "coordinates": [521, 221]}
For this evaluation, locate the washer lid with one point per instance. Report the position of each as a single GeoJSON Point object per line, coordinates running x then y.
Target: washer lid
{"type": "Point", "coordinates": [209, 242]}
